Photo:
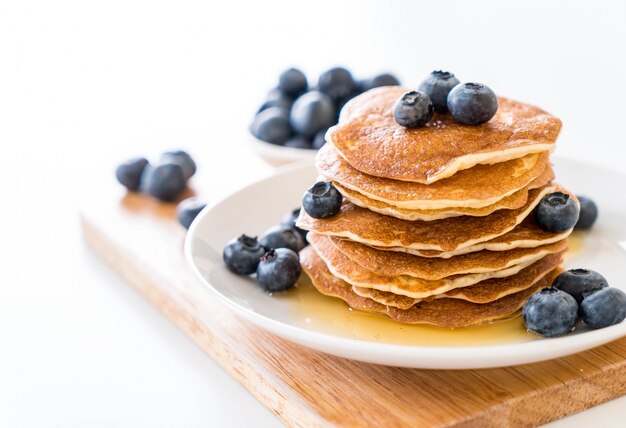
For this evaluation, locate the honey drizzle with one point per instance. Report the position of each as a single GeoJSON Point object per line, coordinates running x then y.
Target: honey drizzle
{"type": "Point", "coordinates": [312, 310]}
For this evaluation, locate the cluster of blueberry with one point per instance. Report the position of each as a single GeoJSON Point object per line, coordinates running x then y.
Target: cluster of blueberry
{"type": "Point", "coordinates": [575, 293]}
{"type": "Point", "coordinates": [273, 257]}
{"type": "Point", "coordinates": [296, 115]}
{"type": "Point", "coordinates": [442, 92]}
{"type": "Point", "coordinates": [165, 180]}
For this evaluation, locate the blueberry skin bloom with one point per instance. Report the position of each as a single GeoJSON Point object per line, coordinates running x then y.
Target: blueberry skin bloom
{"type": "Point", "coordinates": [182, 158]}
{"type": "Point", "coordinates": [337, 82]}
{"type": "Point", "coordinates": [413, 109]}
{"type": "Point", "coordinates": [322, 200]}
{"type": "Point", "coordinates": [278, 270]}
{"type": "Point", "coordinates": [272, 125]}
{"type": "Point", "coordinates": [603, 308]}
{"type": "Point", "coordinates": [188, 210]}
{"type": "Point", "coordinates": [129, 173]}
{"type": "Point", "coordinates": [472, 103]}
{"type": "Point", "coordinates": [550, 312]}
{"type": "Point", "coordinates": [312, 112]}
{"type": "Point", "coordinates": [282, 236]}
{"type": "Point", "coordinates": [556, 212]}
{"type": "Point", "coordinates": [292, 82]}
{"type": "Point", "coordinates": [242, 255]}
{"type": "Point", "coordinates": [579, 282]}
{"type": "Point", "coordinates": [588, 213]}
{"type": "Point", "coordinates": [437, 86]}
{"type": "Point", "coordinates": [165, 181]}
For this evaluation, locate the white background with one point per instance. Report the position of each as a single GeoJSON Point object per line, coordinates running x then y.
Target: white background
{"type": "Point", "coordinates": [85, 84]}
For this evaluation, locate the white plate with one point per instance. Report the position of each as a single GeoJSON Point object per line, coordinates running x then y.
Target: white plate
{"type": "Point", "coordinates": [263, 204]}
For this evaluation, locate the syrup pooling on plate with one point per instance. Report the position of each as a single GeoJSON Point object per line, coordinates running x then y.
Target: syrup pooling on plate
{"type": "Point", "coordinates": [314, 311]}
{"type": "Point", "coordinates": [575, 242]}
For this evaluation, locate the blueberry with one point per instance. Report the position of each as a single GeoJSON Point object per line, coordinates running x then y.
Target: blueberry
{"type": "Point", "coordinates": [188, 210]}
{"type": "Point", "coordinates": [550, 312]}
{"type": "Point", "coordinates": [556, 212]}
{"type": "Point", "coordinates": [242, 255]}
{"type": "Point", "coordinates": [272, 125]}
{"type": "Point", "coordinates": [319, 140]}
{"type": "Point", "coordinates": [578, 282]}
{"type": "Point", "coordinates": [379, 80]}
{"type": "Point", "coordinates": [292, 82]}
{"type": "Point", "coordinates": [276, 98]}
{"type": "Point", "coordinates": [588, 213]}
{"type": "Point", "coordinates": [472, 103]}
{"type": "Point", "coordinates": [437, 86]}
{"type": "Point", "coordinates": [413, 109]}
{"type": "Point", "coordinates": [183, 159]}
{"type": "Point", "coordinates": [165, 181]}
{"type": "Point", "coordinates": [322, 200]}
{"type": "Point", "coordinates": [129, 172]}
{"type": "Point", "coordinates": [282, 236]}
{"type": "Point", "coordinates": [290, 220]}
{"type": "Point", "coordinates": [337, 83]}
{"type": "Point", "coordinates": [312, 112]}
{"type": "Point", "coordinates": [342, 102]}
{"type": "Point", "coordinates": [603, 308]}
{"type": "Point", "coordinates": [298, 142]}
{"type": "Point", "coordinates": [279, 270]}
{"type": "Point", "coordinates": [361, 85]}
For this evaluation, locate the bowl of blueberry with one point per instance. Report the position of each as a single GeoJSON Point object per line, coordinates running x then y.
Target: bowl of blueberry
{"type": "Point", "coordinates": [292, 121]}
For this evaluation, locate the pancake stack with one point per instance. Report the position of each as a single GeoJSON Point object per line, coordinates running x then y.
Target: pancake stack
{"type": "Point", "coordinates": [435, 226]}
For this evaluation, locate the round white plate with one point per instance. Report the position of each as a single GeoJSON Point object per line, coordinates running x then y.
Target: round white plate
{"type": "Point", "coordinates": [263, 204]}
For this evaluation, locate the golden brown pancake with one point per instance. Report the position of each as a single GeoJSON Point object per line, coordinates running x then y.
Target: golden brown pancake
{"type": "Point", "coordinates": [483, 292]}
{"type": "Point", "coordinates": [477, 187]}
{"type": "Point", "coordinates": [389, 263]}
{"type": "Point", "coordinates": [450, 313]}
{"type": "Point", "coordinates": [525, 235]}
{"type": "Point", "coordinates": [418, 288]}
{"type": "Point", "coordinates": [370, 139]}
{"type": "Point", "coordinates": [368, 227]}
{"type": "Point", "coordinates": [327, 284]}
{"type": "Point", "coordinates": [511, 202]}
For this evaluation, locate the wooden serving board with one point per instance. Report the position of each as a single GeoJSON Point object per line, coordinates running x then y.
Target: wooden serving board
{"type": "Point", "coordinates": [141, 239]}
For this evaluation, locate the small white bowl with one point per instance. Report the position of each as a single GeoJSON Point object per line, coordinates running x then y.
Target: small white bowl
{"type": "Point", "coordinates": [277, 155]}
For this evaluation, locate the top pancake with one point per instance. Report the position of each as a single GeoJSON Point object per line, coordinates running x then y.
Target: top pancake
{"type": "Point", "coordinates": [476, 187]}
{"type": "Point", "coordinates": [370, 139]}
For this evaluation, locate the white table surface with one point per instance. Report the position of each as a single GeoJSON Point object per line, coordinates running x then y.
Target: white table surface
{"type": "Point", "coordinates": [85, 84]}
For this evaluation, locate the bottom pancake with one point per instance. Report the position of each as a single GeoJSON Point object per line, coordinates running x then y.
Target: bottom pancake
{"type": "Point", "coordinates": [451, 313]}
